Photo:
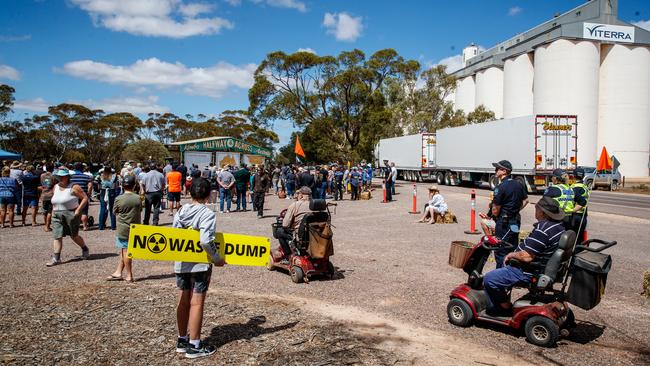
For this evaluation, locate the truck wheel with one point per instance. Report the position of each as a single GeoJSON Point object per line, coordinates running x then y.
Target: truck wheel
{"type": "Point", "coordinates": [459, 313]}
{"type": "Point", "coordinates": [440, 178]}
{"type": "Point", "coordinates": [448, 179]}
{"type": "Point", "coordinates": [418, 177]}
{"type": "Point", "coordinates": [493, 182]}
{"type": "Point", "coordinates": [542, 331]}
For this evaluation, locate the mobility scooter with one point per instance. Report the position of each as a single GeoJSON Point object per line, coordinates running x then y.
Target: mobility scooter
{"type": "Point", "coordinates": [311, 246]}
{"type": "Point", "coordinates": [543, 312]}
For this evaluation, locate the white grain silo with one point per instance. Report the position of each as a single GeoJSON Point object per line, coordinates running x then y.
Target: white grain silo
{"type": "Point", "coordinates": [465, 91]}
{"type": "Point", "coordinates": [624, 113]}
{"type": "Point", "coordinates": [566, 82]}
{"type": "Point", "coordinates": [518, 74]}
{"type": "Point", "coordinates": [489, 90]}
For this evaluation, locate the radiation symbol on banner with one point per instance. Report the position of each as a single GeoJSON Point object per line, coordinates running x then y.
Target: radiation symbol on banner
{"type": "Point", "coordinates": [156, 243]}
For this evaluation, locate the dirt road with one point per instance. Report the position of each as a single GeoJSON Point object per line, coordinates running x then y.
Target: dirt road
{"type": "Point", "coordinates": [387, 305]}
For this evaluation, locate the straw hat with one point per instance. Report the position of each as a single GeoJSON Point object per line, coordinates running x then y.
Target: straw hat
{"type": "Point", "coordinates": [15, 165]}
{"type": "Point", "coordinates": [434, 188]}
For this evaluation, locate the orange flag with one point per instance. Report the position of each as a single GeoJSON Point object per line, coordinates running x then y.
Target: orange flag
{"type": "Point", "coordinates": [298, 150]}
{"type": "Point", "coordinates": [605, 162]}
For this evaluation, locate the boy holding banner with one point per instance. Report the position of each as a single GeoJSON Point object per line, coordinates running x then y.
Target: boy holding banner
{"type": "Point", "coordinates": [193, 279]}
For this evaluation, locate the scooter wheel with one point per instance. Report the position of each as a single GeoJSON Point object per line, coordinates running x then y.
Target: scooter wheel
{"type": "Point", "coordinates": [542, 331]}
{"type": "Point", "coordinates": [297, 275]}
{"type": "Point", "coordinates": [459, 313]}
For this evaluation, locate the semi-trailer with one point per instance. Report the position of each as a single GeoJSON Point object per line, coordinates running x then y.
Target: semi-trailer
{"type": "Point", "coordinates": [535, 145]}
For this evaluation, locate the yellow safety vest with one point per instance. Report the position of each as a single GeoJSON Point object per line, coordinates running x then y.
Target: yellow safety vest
{"type": "Point", "coordinates": [585, 194]}
{"type": "Point", "coordinates": [565, 201]}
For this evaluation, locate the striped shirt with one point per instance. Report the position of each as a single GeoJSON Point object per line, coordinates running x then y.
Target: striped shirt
{"type": "Point", "coordinates": [543, 241]}
{"type": "Point", "coordinates": [81, 180]}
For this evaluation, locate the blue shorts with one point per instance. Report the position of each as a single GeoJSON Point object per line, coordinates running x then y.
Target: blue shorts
{"type": "Point", "coordinates": [4, 201]}
{"type": "Point", "coordinates": [30, 202]}
{"type": "Point", "coordinates": [121, 243]}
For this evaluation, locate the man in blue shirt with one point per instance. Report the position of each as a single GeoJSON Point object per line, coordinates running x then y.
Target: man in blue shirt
{"type": "Point", "coordinates": [338, 184]}
{"type": "Point", "coordinates": [510, 197]}
{"type": "Point", "coordinates": [31, 183]}
{"type": "Point", "coordinates": [355, 181]}
{"type": "Point", "coordinates": [85, 182]}
{"type": "Point", "coordinates": [537, 248]}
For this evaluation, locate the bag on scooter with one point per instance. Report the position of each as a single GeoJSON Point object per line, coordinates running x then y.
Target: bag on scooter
{"type": "Point", "coordinates": [588, 279]}
{"type": "Point", "coordinates": [320, 240]}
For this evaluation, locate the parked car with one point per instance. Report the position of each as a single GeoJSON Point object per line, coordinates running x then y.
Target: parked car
{"type": "Point", "coordinates": [607, 179]}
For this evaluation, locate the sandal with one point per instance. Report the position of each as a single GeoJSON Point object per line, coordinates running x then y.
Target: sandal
{"type": "Point", "coordinates": [114, 278]}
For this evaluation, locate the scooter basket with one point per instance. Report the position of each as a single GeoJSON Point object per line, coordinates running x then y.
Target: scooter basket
{"type": "Point", "coordinates": [459, 252]}
{"type": "Point", "coordinates": [588, 279]}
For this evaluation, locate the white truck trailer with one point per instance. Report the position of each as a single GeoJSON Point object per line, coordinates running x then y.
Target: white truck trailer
{"type": "Point", "coordinates": [535, 145]}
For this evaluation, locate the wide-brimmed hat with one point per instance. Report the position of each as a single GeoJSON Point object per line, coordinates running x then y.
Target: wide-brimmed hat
{"type": "Point", "coordinates": [503, 164]}
{"type": "Point", "coordinates": [15, 164]}
{"type": "Point", "coordinates": [62, 172]}
{"type": "Point", "coordinates": [551, 208]}
{"type": "Point", "coordinates": [434, 188]}
{"type": "Point", "coordinates": [305, 190]}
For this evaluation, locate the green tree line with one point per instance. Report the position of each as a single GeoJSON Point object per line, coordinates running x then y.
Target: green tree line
{"type": "Point", "coordinates": [344, 104]}
{"type": "Point", "coordinates": [72, 132]}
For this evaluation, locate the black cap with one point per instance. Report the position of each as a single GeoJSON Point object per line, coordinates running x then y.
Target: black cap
{"type": "Point", "coordinates": [129, 180]}
{"type": "Point", "coordinates": [503, 164]}
{"type": "Point", "coordinates": [551, 208]}
{"type": "Point", "coordinates": [558, 173]}
{"type": "Point", "coordinates": [579, 172]}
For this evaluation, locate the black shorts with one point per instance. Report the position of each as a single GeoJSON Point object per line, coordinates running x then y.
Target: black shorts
{"type": "Point", "coordinates": [174, 196]}
{"type": "Point", "coordinates": [47, 206]}
{"type": "Point", "coordinates": [198, 282]}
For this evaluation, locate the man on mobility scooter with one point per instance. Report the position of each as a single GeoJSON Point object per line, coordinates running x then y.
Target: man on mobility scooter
{"type": "Point", "coordinates": [548, 256]}
{"type": "Point", "coordinates": [305, 237]}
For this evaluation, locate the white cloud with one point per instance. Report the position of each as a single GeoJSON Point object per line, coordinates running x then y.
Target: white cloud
{"type": "Point", "coordinates": [135, 105]}
{"type": "Point", "coordinates": [8, 72]}
{"type": "Point", "coordinates": [343, 26]}
{"type": "Point", "coordinates": [453, 63]}
{"type": "Point", "coordinates": [310, 50]}
{"type": "Point", "coordinates": [192, 10]}
{"type": "Point", "coordinates": [155, 18]}
{"type": "Point", "coordinates": [515, 10]}
{"type": "Point", "coordinates": [211, 81]}
{"type": "Point", "coordinates": [34, 105]}
{"type": "Point", "coordinates": [645, 24]}
{"type": "Point", "coordinates": [233, 2]}
{"type": "Point", "coordinates": [290, 4]}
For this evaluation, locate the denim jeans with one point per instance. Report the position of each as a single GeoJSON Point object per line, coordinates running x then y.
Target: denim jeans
{"type": "Point", "coordinates": [152, 199]}
{"type": "Point", "coordinates": [499, 282]}
{"type": "Point", "coordinates": [290, 189]}
{"type": "Point", "coordinates": [323, 190]}
{"type": "Point", "coordinates": [241, 198]}
{"type": "Point", "coordinates": [508, 231]}
{"type": "Point", "coordinates": [389, 190]}
{"type": "Point", "coordinates": [106, 209]}
{"type": "Point", "coordinates": [224, 195]}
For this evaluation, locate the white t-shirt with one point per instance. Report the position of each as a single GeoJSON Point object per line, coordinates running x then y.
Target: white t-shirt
{"type": "Point", "coordinates": [393, 173]}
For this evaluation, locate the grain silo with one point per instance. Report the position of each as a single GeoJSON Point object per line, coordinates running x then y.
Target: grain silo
{"type": "Point", "coordinates": [518, 86]}
{"type": "Point", "coordinates": [489, 90]}
{"type": "Point", "coordinates": [585, 62]}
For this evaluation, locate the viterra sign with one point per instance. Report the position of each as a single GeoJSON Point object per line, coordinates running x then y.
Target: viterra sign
{"type": "Point", "coordinates": [608, 32]}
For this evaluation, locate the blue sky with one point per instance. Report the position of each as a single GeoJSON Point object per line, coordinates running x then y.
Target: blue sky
{"type": "Point", "coordinates": [198, 56]}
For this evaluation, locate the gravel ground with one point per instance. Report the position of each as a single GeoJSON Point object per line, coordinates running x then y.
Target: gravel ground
{"type": "Point", "coordinates": [386, 306]}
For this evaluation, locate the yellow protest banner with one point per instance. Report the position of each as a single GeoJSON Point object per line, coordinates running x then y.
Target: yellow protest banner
{"type": "Point", "coordinates": [171, 244]}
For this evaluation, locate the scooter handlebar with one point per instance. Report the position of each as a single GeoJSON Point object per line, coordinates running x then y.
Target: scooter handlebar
{"type": "Point", "coordinates": [605, 244]}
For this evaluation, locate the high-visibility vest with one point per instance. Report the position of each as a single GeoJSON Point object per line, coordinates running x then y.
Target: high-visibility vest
{"type": "Point", "coordinates": [585, 194]}
{"type": "Point", "coordinates": [565, 201]}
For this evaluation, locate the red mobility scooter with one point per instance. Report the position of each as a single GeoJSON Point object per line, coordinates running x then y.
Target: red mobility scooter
{"type": "Point", "coordinates": [544, 312]}
{"type": "Point", "coordinates": [310, 247]}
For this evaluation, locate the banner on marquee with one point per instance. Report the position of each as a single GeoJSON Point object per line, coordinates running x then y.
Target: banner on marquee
{"type": "Point", "coordinates": [183, 245]}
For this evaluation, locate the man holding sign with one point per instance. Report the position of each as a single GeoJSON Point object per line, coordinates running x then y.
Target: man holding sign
{"type": "Point", "coordinates": [193, 279]}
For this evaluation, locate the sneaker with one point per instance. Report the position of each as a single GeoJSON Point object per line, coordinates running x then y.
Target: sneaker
{"type": "Point", "coordinates": [203, 350]}
{"type": "Point", "coordinates": [182, 345]}
{"type": "Point", "coordinates": [220, 211]}
{"type": "Point", "coordinates": [85, 253]}
{"type": "Point", "coordinates": [53, 262]}
{"type": "Point", "coordinates": [227, 211]}
{"type": "Point", "coordinates": [259, 216]}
